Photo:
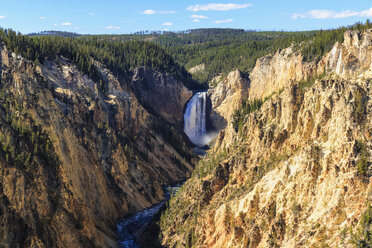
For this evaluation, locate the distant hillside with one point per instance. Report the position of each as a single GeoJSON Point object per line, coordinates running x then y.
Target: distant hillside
{"type": "Point", "coordinates": [55, 33]}
{"type": "Point", "coordinates": [223, 50]}
{"type": "Point", "coordinates": [120, 57]}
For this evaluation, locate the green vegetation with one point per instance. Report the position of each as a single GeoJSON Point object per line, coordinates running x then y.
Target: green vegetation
{"type": "Point", "coordinates": [208, 164]}
{"type": "Point", "coordinates": [306, 83]}
{"type": "Point", "coordinates": [250, 106]}
{"type": "Point", "coordinates": [360, 108]}
{"type": "Point", "coordinates": [220, 50]}
{"type": "Point", "coordinates": [167, 131]}
{"type": "Point", "coordinates": [245, 109]}
{"type": "Point", "coordinates": [363, 236]}
{"type": "Point", "coordinates": [321, 43]}
{"type": "Point", "coordinates": [55, 33]}
{"type": "Point", "coordinates": [23, 143]}
{"type": "Point", "coordinates": [296, 208]}
{"type": "Point", "coordinates": [39, 49]}
{"type": "Point", "coordinates": [361, 148]}
{"type": "Point", "coordinates": [222, 56]}
{"type": "Point", "coordinates": [223, 50]}
{"type": "Point", "coordinates": [119, 57]}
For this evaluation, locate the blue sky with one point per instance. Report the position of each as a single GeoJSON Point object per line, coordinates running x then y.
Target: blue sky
{"type": "Point", "coordinates": [122, 16]}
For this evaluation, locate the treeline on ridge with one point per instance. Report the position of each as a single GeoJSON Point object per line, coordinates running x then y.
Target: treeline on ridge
{"type": "Point", "coordinates": [220, 50]}
{"type": "Point", "coordinates": [119, 57]}
{"type": "Point", "coordinates": [223, 50]}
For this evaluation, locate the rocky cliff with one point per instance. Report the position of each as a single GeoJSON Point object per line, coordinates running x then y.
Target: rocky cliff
{"type": "Point", "coordinates": [352, 59]}
{"type": "Point", "coordinates": [273, 72]}
{"type": "Point", "coordinates": [162, 93]}
{"type": "Point", "coordinates": [228, 93]}
{"type": "Point", "coordinates": [298, 172]}
{"type": "Point", "coordinates": [77, 155]}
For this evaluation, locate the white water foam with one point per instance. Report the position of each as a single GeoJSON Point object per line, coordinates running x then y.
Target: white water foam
{"type": "Point", "coordinates": [195, 120]}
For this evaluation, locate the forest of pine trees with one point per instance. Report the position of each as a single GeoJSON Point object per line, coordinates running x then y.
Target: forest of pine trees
{"type": "Point", "coordinates": [119, 57]}
{"type": "Point", "coordinates": [220, 50]}
{"type": "Point", "coordinates": [223, 50]}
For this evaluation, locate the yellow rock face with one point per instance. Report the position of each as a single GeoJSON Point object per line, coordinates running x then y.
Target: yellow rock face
{"type": "Point", "coordinates": [228, 93]}
{"type": "Point", "coordinates": [352, 59]}
{"type": "Point", "coordinates": [272, 73]}
{"type": "Point", "coordinates": [112, 157]}
{"type": "Point", "coordinates": [293, 176]}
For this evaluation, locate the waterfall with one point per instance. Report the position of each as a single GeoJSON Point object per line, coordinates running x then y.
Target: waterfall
{"type": "Point", "coordinates": [195, 119]}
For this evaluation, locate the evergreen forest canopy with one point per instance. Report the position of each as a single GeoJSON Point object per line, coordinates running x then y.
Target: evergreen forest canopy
{"type": "Point", "coordinates": [220, 50]}
{"type": "Point", "coordinates": [223, 50]}
{"type": "Point", "coordinates": [119, 57]}
{"type": "Point", "coordinates": [55, 33]}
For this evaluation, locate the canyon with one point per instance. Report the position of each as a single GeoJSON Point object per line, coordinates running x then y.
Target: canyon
{"type": "Point", "coordinates": [287, 165]}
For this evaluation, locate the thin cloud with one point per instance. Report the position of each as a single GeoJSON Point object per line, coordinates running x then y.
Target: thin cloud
{"type": "Point", "coordinates": [297, 15]}
{"type": "Point", "coordinates": [196, 20]}
{"type": "Point", "coordinates": [218, 6]}
{"type": "Point", "coordinates": [66, 23]}
{"type": "Point", "coordinates": [366, 13]}
{"type": "Point", "coordinates": [166, 12]}
{"type": "Point", "coordinates": [2, 17]}
{"type": "Point", "coordinates": [149, 12]}
{"type": "Point", "coordinates": [330, 14]}
{"type": "Point", "coordinates": [76, 28]}
{"type": "Point", "coordinates": [91, 14]}
{"type": "Point", "coordinates": [199, 17]}
{"type": "Point", "coordinates": [162, 12]}
{"type": "Point", "coordinates": [55, 25]}
{"type": "Point", "coordinates": [113, 27]}
{"type": "Point", "coordinates": [167, 24]}
{"type": "Point", "coordinates": [223, 21]}
{"type": "Point", "coordinates": [42, 17]}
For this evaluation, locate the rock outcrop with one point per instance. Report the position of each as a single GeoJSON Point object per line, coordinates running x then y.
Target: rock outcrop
{"type": "Point", "coordinates": [352, 59]}
{"type": "Point", "coordinates": [162, 93]}
{"type": "Point", "coordinates": [74, 158]}
{"type": "Point", "coordinates": [197, 69]}
{"type": "Point", "coordinates": [228, 93]}
{"type": "Point", "coordinates": [274, 72]}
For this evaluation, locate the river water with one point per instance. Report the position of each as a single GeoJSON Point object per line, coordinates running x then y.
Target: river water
{"type": "Point", "coordinates": [132, 226]}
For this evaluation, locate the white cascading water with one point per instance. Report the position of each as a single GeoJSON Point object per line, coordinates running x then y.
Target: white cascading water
{"type": "Point", "coordinates": [195, 119]}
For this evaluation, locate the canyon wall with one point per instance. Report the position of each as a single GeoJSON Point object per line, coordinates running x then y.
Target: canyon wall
{"type": "Point", "coordinates": [298, 172]}
{"type": "Point", "coordinates": [77, 156]}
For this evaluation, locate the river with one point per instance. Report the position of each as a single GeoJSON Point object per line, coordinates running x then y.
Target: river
{"type": "Point", "coordinates": [131, 227]}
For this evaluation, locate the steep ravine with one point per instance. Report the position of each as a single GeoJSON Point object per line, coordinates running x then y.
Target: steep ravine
{"type": "Point", "coordinates": [141, 229]}
{"type": "Point", "coordinates": [298, 173]}
{"type": "Point", "coordinates": [74, 159]}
